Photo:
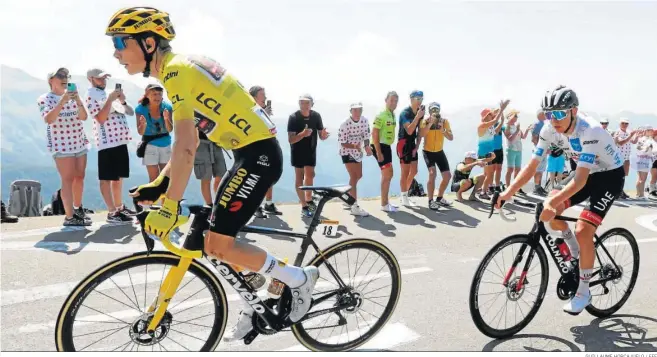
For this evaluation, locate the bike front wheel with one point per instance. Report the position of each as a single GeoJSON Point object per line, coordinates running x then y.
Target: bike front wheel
{"type": "Point", "coordinates": [360, 273]}
{"type": "Point", "coordinates": [507, 275]}
{"type": "Point", "coordinates": [106, 311]}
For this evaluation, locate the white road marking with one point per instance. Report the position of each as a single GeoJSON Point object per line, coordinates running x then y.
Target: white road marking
{"type": "Point", "coordinates": [391, 335]}
{"type": "Point", "coordinates": [648, 221]}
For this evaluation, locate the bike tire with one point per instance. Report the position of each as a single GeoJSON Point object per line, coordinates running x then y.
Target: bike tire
{"type": "Point", "coordinates": [311, 343]}
{"type": "Point", "coordinates": [476, 280]}
{"type": "Point", "coordinates": [635, 273]}
{"type": "Point", "coordinates": [65, 319]}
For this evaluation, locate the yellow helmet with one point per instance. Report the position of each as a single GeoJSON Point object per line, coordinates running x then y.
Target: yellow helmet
{"type": "Point", "coordinates": [141, 19]}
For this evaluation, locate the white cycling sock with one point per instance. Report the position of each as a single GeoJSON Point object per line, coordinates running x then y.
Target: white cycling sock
{"type": "Point", "coordinates": [584, 278]}
{"type": "Point", "coordinates": [404, 194]}
{"type": "Point", "coordinates": [292, 276]}
{"type": "Point", "coordinates": [268, 203]}
{"type": "Point", "coordinates": [571, 241]}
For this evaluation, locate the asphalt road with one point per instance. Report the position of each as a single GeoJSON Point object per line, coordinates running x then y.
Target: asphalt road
{"type": "Point", "coordinates": [438, 253]}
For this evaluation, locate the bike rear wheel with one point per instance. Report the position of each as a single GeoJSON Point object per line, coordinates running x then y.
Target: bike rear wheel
{"type": "Point", "coordinates": [82, 323]}
{"type": "Point", "coordinates": [513, 290]}
{"type": "Point", "coordinates": [363, 286]}
{"type": "Point", "coordinates": [616, 253]}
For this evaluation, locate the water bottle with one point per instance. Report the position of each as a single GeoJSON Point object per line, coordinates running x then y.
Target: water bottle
{"type": "Point", "coordinates": [563, 249]}
{"type": "Point", "coordinates": [276, 286]}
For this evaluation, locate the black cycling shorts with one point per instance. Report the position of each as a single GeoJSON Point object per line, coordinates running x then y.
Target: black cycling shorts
{"type": "Point", "coordinates": [386, 150]}
{"type": "Point", "coordinates": [499, 157]}
{"type": "Point", "coordinates": [456, 186]}
{"type": "Point", "coordinates": [114, 163]}
{"type": "Point", "coordinates": [257, 167]}
{"type": "Point", "coordinates": [301, 157]}
{"type": "Point", "coordinates": [602, 189]}
{"type": "Point", "coordinates": [405, 148]}
{"type": "Point", "coordinates": [347, 159]}
{"type": "Point", "coordinates": [436, 159]}
{"type": "Point", "coordinates": [654, 164]}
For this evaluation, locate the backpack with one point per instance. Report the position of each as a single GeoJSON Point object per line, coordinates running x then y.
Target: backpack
{"type": "Point", "coordinates": [25, 198]}
{"type": "Point", "coordinates": [416, 189]}
{"type": "Point", "coordinates": [56, 204]}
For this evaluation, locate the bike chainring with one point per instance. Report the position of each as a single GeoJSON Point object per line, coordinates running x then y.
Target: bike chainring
{"type": "Point", "coordinates": [281, 306]}
{"type": "Point", "coordinates": [140, 336]}
{"type": "Point", "coordinates": [567, 286]}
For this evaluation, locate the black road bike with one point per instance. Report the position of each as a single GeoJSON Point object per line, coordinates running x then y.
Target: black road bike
{"type": "Point", "coordinates": [155, 324]}
{"type": "Point", "coordinates": [610, 278]}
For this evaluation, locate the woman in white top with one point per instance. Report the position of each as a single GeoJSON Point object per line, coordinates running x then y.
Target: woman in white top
{"type": "Point", "coordinates": [514, 137]}
{"type": "Point", "coordinates": [646, 149]}
{"type": "Point", "coordinates": [64, 113]}
{"type": "Point", "coordinates": [353, 135]}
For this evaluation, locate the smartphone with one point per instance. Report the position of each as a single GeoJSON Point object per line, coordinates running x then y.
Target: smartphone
{"type": "Point", "coordinates": [268, 104]}
{"type": "Point", "coordinates": [71, 87]}
{"type": "Point", "coordinates": [118, 86]}
{"type": "Point", "coordinates": [422, 107]}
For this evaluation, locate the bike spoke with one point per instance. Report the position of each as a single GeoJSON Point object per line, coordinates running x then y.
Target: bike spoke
{"type": "Point", "coordinates": [196, 318]}
{"type": "Point", "coordinates": [133, 290]}
{"type": "Point", "coordinates": [187, 298]}
{"type": "Point", "coordinates": [120, 302]}
{"type": "Point", "coordinates": [102, 338]}
{"type": "Point", "coordinates": [375, 302]}
{"type": "Point", "coordinates": [116, 318]}
{"type": "Point", "coordinates": [174, 341]}
{"type": "Point", "coordinates": [93, 333]}
{"type": "Point", "coordinates": [123, 345]}
{"type": "Point", "coordinates": [371, 291]}
{"type": "Point", "coordinates": [126, 295]}
{"type": "Point", "coordinates": [188, 323]}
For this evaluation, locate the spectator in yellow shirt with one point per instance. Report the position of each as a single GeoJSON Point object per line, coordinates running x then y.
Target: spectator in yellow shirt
{"type": "Point", "coordinates": [434, 130]}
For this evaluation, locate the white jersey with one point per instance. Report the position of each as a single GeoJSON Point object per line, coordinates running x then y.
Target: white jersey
{"type": "Point", "coordinates": [596, 149]}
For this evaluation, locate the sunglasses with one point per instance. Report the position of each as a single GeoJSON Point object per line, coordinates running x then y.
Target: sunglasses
{"type": "Point", "coordinates": [557, 115]}
{"type": "Point", "coordinates": [120, 42]}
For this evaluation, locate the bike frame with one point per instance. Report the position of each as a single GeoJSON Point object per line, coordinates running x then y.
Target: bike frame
{"type": "Point", "coordinates": [539, 232]}
{"type": "Point", "coordinates": [194, 242]}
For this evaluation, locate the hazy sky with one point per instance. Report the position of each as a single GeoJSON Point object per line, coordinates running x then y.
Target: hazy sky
{"type": "Point", "coordinates": [459, 53]}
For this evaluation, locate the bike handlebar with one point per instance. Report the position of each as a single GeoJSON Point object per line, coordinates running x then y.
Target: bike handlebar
{"type": "Point", "coordinates": [166, 241]}
{"type": "Point", "coordinates": [503, 215]}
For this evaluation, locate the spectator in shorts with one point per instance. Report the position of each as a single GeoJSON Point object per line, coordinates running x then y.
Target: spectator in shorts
{"type": "Point", "coordinates": [353, 136]}
{"type": "Point", "coordinates": [209, 162]}
{"type": "Point", "coordinates": [434, 130]}
{"type": "Point", "coordinates": [490, 124]}
{"type": "Point", "coordinates": [556, 163]}
{"type": "Point", "coordinates": [154, 122]}
{"type": "Point", "coordinates": [383, 135]}
{"type": "Point", "coordinates": [645, 153]}
{"type": "Point", "coordinates": [498, 150]}
{"type": "Point", "coordinates": [623, 140]}
{"type": "Point", "coordinates": [63, 111]}
{"type": "Point", "coordinates": [653, 170]}
{"type": "Point", "coordinates": [408, 143]}
{"type": "Point", "coordinates": [112, 136]}
{"type": "Point", "coordinates": [303, 128]}
{"type": "Point", "coordinates": [260, 97]}
{"type": "Point", "coordinates": [462, 181]}
{"type": "Point", "coordinates": [536, 130]}
{"type": "Point", "coordinates": [514, 137]}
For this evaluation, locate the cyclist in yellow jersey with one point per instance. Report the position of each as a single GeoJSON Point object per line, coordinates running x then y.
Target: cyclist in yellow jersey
{"type": "Point", "coordinates": [205, 97]}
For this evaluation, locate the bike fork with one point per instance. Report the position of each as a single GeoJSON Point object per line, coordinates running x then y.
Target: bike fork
{"type": "Point", "coordinates": [168, 288]}
{"type": "Point", "coordinates": [512, 269]}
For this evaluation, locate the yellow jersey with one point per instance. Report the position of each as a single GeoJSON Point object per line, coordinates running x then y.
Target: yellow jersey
{"type": "Point", "coordinates": [435, 138]}
{"type": "Point", "coordinates": [201, 89]}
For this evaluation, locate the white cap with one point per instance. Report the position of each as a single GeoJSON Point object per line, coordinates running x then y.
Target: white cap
{"type": "Point", "coordinates": [97, 73]}
{"type": "Point", "coordinates": [624, 120]}
{"type": "Point", "coordinates": [356, 105]}
{"type": "Point", "coordinates": [306, 96]}
{"type": "Point", "coordinates": [471, 155]}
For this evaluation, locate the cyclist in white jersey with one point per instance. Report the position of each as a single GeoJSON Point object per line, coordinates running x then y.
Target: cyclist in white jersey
{"type": "Point", "coordinates": [599, 177]}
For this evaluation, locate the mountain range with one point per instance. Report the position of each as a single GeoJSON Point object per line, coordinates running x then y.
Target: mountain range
{"type": "Point", "coordinates": [24, 154]}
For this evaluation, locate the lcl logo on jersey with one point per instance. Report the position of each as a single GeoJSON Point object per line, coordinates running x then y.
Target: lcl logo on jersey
{"type": "Point", "coordinates": [576, 144]}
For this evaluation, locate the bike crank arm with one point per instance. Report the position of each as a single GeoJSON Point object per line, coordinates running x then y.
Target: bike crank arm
{"type": "Point", "coordinates": [167, 290]}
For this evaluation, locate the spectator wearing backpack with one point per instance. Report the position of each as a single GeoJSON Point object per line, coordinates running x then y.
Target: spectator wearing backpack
{"type": "Point", "coordinates": [112, 137]}
{"type": "Point", "coordinates": [63, 111]}
{"type": "Point", "coordinates": [154, 123]}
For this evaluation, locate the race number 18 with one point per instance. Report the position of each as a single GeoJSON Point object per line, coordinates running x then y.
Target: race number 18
{"type": "Point", "coordinates": [329, 228]}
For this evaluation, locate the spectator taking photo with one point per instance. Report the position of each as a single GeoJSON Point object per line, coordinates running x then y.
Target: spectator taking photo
{"type": "Point", "coordinates": [434, 130]}
{"type": "Point", "coordinates": [154, 124]}
{"type": "Point", "coordinates": [112, 136]}
{"type": "Point", "coordinates": [63, 111]}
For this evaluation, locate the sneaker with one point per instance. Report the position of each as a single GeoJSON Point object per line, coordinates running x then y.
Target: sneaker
{"type": "Point", "coordinates": [123, 216]}
{"type": "Point", "coordinates": [433, 205]}
{"type": "Point", "coordinates": [443, 202]}
{"type": "Point", "coordinates": [623, 196]}
{"type": "Point", "coordinates": [6, 217]}
{"type": "Point", "coordinates": [270, 208]}
{"type": "Point", "coordinates": [539, 191]}
{"type": "Point", "coordinates": [405, 201]}
{"type": "Point", "coordinates": [653, 194]}
{"type": "Point", "coordinates": [243, 326]}
{"type": "Point", "coordinates": [76, 221]}
{"type": "Point", "coordinates": [126, 210]}
{"type": "Point", "coordinates": [302, 295]}
{"type": "Point", "coordinates": [577, 304]}
{"type": "Point", "coordinates": [357, 211]}
{"type": "Point", "coordinates": [114, 217]}
{"type": "Point", "coordinates": [522, 192]}
{"type": "Point", "coordinates": [312, 206]}
{"type": "Point", "coordinates": [389, 208]}
{"type": "Point", "coordinates": [306, 212]}
{"type": "Point", "coordinates": [484, 196]}
{"type": "Point", "coordinates": [259, 213]}
{"type": "Point", "coordinates": [82, 214]}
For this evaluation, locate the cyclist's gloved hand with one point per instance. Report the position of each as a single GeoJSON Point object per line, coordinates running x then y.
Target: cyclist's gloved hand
{"type": "Point", "coordinates": [161, 222]}
{"type": "Point", "coordinates": [150, 192]}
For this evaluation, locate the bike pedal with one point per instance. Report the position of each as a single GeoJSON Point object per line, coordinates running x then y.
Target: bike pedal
{"type": "Point", "coordinates": [250, 337]}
